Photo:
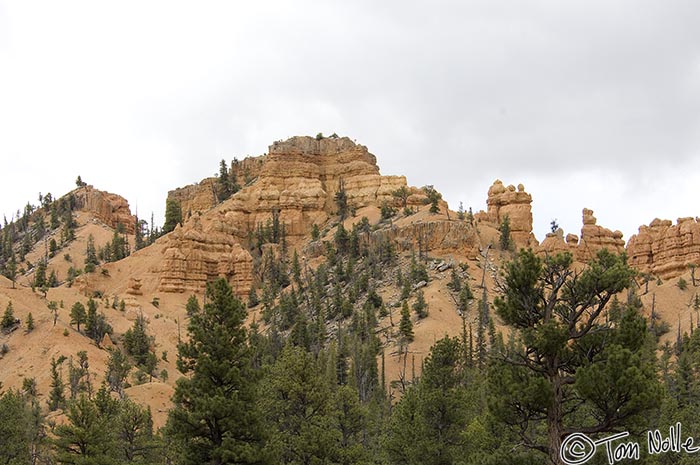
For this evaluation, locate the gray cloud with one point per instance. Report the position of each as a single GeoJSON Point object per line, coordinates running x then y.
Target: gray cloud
{"type": "Point", "coordinates": [587, 103]}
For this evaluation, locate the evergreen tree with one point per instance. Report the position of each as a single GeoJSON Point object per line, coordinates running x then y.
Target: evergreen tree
{"type": "Point", "coordinates": [90, 255]}
{"type": "Point", "coordinates": [136, 341]}
{"type": "Point", "coordinates": [40, 274]}
{"type": "Point", "coordinates": [173, 215]}
{"type": "Point", "coordinates": [564, 353]}
{"type": "Point", "coordinates": [22, 433]}
{"type": "Point", "coordinates": [428, 425]}
{"type": "Point", "coordinates": [420, 306]}
{"type": "Point", "coordinates": [30, 322]}
{"type": "Point", "coordinates": [192, 306]}
{"type": "Point", "coordinates": [78, 315]}
{"type": "Point", "coordinates": [406, 325]}
{"type": "Point", "coordinates": [57, 398]}
{"type": "Point", "coordinates": [118, 368]}
{"type": "Point", "coordinates": [297, 402]}
{"type": "Point", "coordinates": [8, 318]}
{"type": "Point", "coordinates": [85, 439]}
{"type": "Point", "coordinates": [214, 418]}
{"type": "Point", "coordinates": [505, 241]}
{"type": "Point", "coordinates": [341, 200]}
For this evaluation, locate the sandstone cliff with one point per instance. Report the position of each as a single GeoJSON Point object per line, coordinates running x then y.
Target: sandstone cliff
{"type": "Point", "coordinates": [516, 204]}
{"type": "Point", "coordinates": [203, 196]}
{"type": "Point", "coordinates": [297, 181]}
{"type": "Point", "coordinates": [195, 254]}
{"type": "Point", "coordinates": [664, 249]}
{"type": "Point", "coordinates": [111, 209]}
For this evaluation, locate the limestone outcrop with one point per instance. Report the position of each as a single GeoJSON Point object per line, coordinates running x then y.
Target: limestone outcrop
{"type": "Point", "coordinates": [111, 209]}
{"type": "Point", "coordinates": [595, 237]}
{"type": "Point", "coordinates": [664, 249]}
{"type": "Point", "coordinates": [197, 253]}
{"type": "Point", "coordinates": [514, 203]}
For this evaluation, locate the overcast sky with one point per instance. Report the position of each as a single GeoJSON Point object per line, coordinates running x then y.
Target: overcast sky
{"type": "Point", "coordinates": [587, 103]}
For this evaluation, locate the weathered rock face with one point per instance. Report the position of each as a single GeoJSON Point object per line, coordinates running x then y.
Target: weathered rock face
{"type": "Point", "coordinates": [595, 238]}
{"type": "Point", "coordinates": [196, 198]}
{"type": "Point", "coordinates": [295, 183]}
{"type": "Point", "coordinates": [554, 243]}
{"type": "Point", "coordinates": [196, 254]}
{"type": "Point", "coordinates": [300, 178]}
{"type": "Point", "coordinates": [111, 209]}
{"type": "Point", "coordinates": [664, 249]}
{"type": "Point", "coordinates": [514, 203]}
{"type": "Point", "coordinates": [203, 196]}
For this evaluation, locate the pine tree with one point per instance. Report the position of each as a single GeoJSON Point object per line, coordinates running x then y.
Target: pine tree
{"type": "Point", "coordinates": [192, 306]}
{"type": "Point", "coordinates": [214, 418]}
{"type": "Point", "coordinates": [57, 398]}
{"type": "Point", "coordinates": [136, 341]}
{"type": "Point", "coordinates": [173, 215]}
{"type": "Point", "coordinates": [118, 368]}
{"type": "Point", "coordinates": [406, 325]}
{"type": "Point", "coordinates": [40, 274]}
{"type": "Point", "coordinates": [420, 306]}
{"type": "Point", "coordinates": [78, 315]}
{"type": "Point", "coordinates": [505, 241]}
{"type": "Point", "coordinates": [30, 322]}
{"type": "Point", "coordinates": [90, 255]}
{"type": "Point", "coordinates": [567, 354]}
{"type": "Point", "coordinates": [8, 318]}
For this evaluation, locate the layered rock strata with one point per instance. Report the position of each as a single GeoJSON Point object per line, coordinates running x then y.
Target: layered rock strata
{"type": "Point", "coordinates": [514, 203]}
{"type": "Point", "coordinates": [111, 209]}
{"type": "Point", "coordinates": [664, 249]}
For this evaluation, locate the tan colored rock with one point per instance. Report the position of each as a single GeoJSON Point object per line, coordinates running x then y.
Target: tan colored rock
{"type": "Point", "coordinates": [111, 209]}
{"type": "Point", "coordinates": [514, 203]}
{"type": "Point", "coordinates": [595, 237]}
{"type": "Point", "coordinates": [134, 286]}
{"type": "Point", "coordinates": [666, 250]}
{"type": "Point", "coordinates": [196, 254]}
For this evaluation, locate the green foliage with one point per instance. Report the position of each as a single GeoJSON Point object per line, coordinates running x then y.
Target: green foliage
{"type": "Point", "coordinates": [137, 343]}
{"type": "Point", "coordinates": [57, 397]}
{"type": "Point", "coordinates": [297, 403]}
{"type": "Point", "coordinates": [214, 418]}
{"type": "Point", "coordinates": [341, 200]}
{"type": "Point", "coordinates": [173, 215]}
{"type": "Point", "coordinates": [90, 255]}
{"type": "Point", "coordinates": [8, 318]}
{"type": "Point", "coordinates": [78, 315]}
{"type": "Point", "coordinates": [22, 433]}
{"type": "Point", "coordinates": [192, 306]}
{"type": "Point", "coordinates": [30, 322]}
{"type": "Point", "coordinates": [387, 211]}
{"type": "Point", "coordinates": [118, 368]}
{"type": "Point", "coordinates": [682, 284]}
{"type": "Point", "coordinates": [402, 194]}
{"type": "Point", "coordinates": [406, 325]}
{"type": "Point", "coordinates": [315, 233]}
{"type": "Point", "coordinates": [505, 240]}
{"type": "Point", "coordinates": [433, 197]}
{"type": "Point", "coordinates": [40, 274]}
{"type": "Point", "coordinates": [420, 306]}
{"type": "Point", "coordinates": [575, 356]}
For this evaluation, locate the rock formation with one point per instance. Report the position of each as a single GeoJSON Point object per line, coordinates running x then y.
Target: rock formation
{"type": "Point", "coordinates": [203, 196]}
{"type": "Point", "coordinates": [111, 209]}
{"type": "Point", "coordinates": [196, 254]}
{"type": "Point", "coordinates": [595, 238]}
{"type": "Point", "coordinates": [296, 184]}
{"type": "Point", "coordinates": [664, 249]}
{"type": "Point", "coordinates": [300, 178]}
{"type": "Point", "coordinates": [514, 203]}
{"type": "Point", "coordinates": [196, 198]}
